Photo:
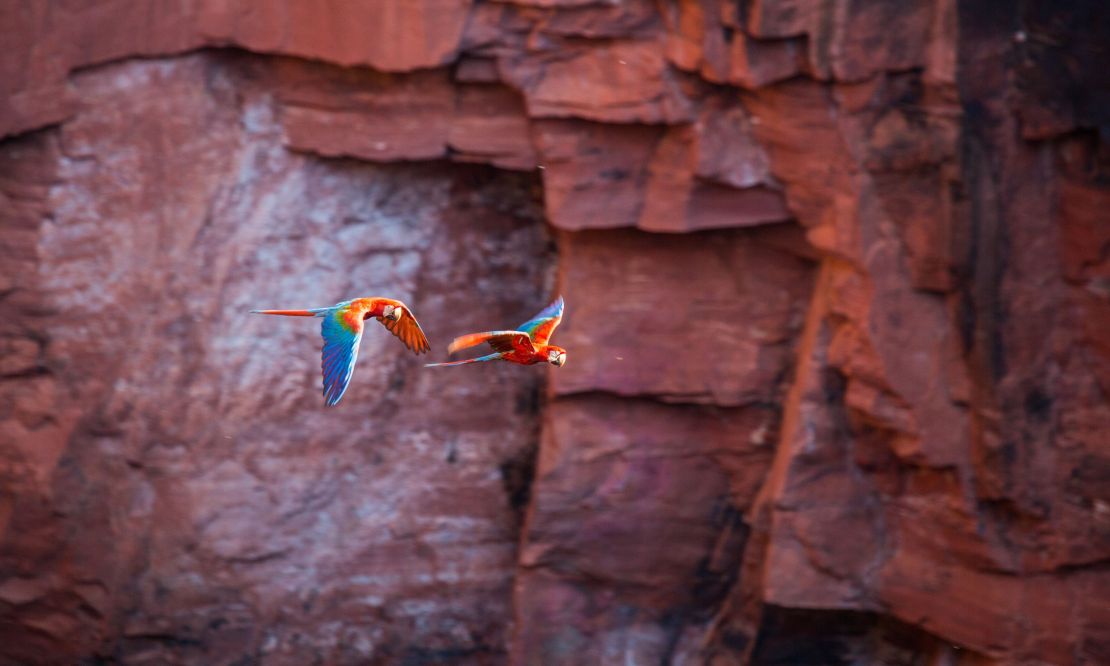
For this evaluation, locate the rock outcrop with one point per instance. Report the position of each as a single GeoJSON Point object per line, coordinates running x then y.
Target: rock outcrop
{"type": "Point", "coordinates": [838, 284]}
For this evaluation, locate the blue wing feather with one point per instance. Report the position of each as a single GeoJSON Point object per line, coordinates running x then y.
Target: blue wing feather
{"type": "Point", "coordinates": [540, 327]}
{"type": "Point", "coordinates": [340, 353]}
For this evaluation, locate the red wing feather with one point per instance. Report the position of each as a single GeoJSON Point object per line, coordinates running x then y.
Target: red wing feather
{"type": "Point", "coordinates": [408, 330]}
{"type": "Point", "coordinates": [501, 341]}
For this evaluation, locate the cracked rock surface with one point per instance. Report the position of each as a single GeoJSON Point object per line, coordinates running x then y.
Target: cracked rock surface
{"type": "Point", "coordinates": [838, 286]}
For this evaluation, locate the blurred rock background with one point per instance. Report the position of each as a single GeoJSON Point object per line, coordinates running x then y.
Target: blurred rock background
{"type": "Point", "coordinates": [838, 285]}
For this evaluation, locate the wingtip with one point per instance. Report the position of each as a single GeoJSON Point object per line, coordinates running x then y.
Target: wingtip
{"type": "Point", "coordinates": [331, 399]}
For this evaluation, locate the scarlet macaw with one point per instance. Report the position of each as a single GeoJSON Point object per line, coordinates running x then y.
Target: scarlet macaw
{"type": "Point", "coordinates": [527, 345]}
{"type": "Point", "coordinates": [342, 331]}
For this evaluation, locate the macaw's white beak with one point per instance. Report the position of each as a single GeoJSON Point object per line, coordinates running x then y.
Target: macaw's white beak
{"type": "Point", "coordinates": [391, 312]}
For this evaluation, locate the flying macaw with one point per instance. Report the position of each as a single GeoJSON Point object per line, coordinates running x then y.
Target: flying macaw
{"type": "Point", "coordinates": [342, 331]}
{"type": "Point", "coordinates": [527, 345]}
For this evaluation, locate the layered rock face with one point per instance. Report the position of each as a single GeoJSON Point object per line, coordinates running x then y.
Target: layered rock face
{"type": "Point", "coordinates": [838, 286]}
{"type": "Point", "coordinates": [178, 492]}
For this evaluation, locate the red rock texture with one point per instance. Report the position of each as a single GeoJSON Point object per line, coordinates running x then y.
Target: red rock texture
{"type": "Point", "coordinates": [838, 285]}
{"type": "Point", "coordinates": [219, 511]}
{"type": "Point", "coordinates": [740, 321]}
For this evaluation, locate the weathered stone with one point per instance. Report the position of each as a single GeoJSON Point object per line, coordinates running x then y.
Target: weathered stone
{"type": "Point", "coordinates": [593, 174]}
{"type": "Point", "coordinates": [854, 39]}
{"type": "Point", "coordinates": [739, 307]}
{"type": "Point", "coordinates": [362, 113]}
{"type": "Point", "coordinates": [601, 20]}
{"type": "Point", "coordinates": [613, 476]}
{"type": "Point", "coordinates": [921, 475]}
{"type": "Point", "coordinates": [702, 37]}
{"type": "Point", "coordinates": [391, 117]}
{"type": "Point", "coordinates": [756, 63]}
{"type": "Point", "coordinates": [1060, 82]}
{"type": "Point", "coordinates": [477, 70]}
{"type": "Point", "coordinates": [708, 175]}
{"type": "Point", "coordinates": [488, 125]}
{"type": "Point", "coordinates": [391, 35]}
{"type": "Point", "coordinates": [218, 509]}
{"type": "Point", "coordinates": [619, 81]}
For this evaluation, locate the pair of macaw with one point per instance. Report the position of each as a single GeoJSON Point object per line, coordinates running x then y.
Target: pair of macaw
{"type": "Point", "coordinates": [343, 326]}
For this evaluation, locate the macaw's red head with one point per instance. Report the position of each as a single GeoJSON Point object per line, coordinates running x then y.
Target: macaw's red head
{"type": "Point", "coordinates": [392, 312]}
{"type": "Point", "coordinates": [556, 356]}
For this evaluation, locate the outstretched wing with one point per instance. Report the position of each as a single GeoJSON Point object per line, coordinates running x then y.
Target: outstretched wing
{"type": "Point", "coordinates": [540, 327]}
{"type": "Point", "coordinates": [408, 330]}
{"type": "Point", "coordinates": [501, 341]}
{"type": "Point", "coordinates": [342, 332]}
{"type": "Point", "coordinates": [488, 357]}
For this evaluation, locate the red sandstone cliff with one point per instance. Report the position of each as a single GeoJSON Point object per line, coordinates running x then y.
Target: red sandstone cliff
{"type": "Point", "coordinates": [838, 284]}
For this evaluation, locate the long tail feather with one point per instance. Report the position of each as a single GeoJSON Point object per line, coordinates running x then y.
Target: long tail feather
{"type": "Point", "coordinates": [488, 357]}
{"type": "Point", "coordinates": [291, 313]}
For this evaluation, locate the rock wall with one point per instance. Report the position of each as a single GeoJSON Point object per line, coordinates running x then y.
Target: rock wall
{"type": "Point", "coordinates": [176, 491]}
{"type": "Point", "coordinates": [838, 281]}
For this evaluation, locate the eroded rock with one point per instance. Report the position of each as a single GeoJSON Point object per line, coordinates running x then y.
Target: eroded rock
{"type": "Point", "coordinates": [921, 464]}
{"type": "Point", "coordinates": [219, 507]}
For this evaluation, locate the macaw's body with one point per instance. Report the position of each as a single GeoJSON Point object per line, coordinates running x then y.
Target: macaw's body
{"type": "Point", "coordinates": [342, 327]}
{"type": "Point", "coordinates": [527, 345]}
